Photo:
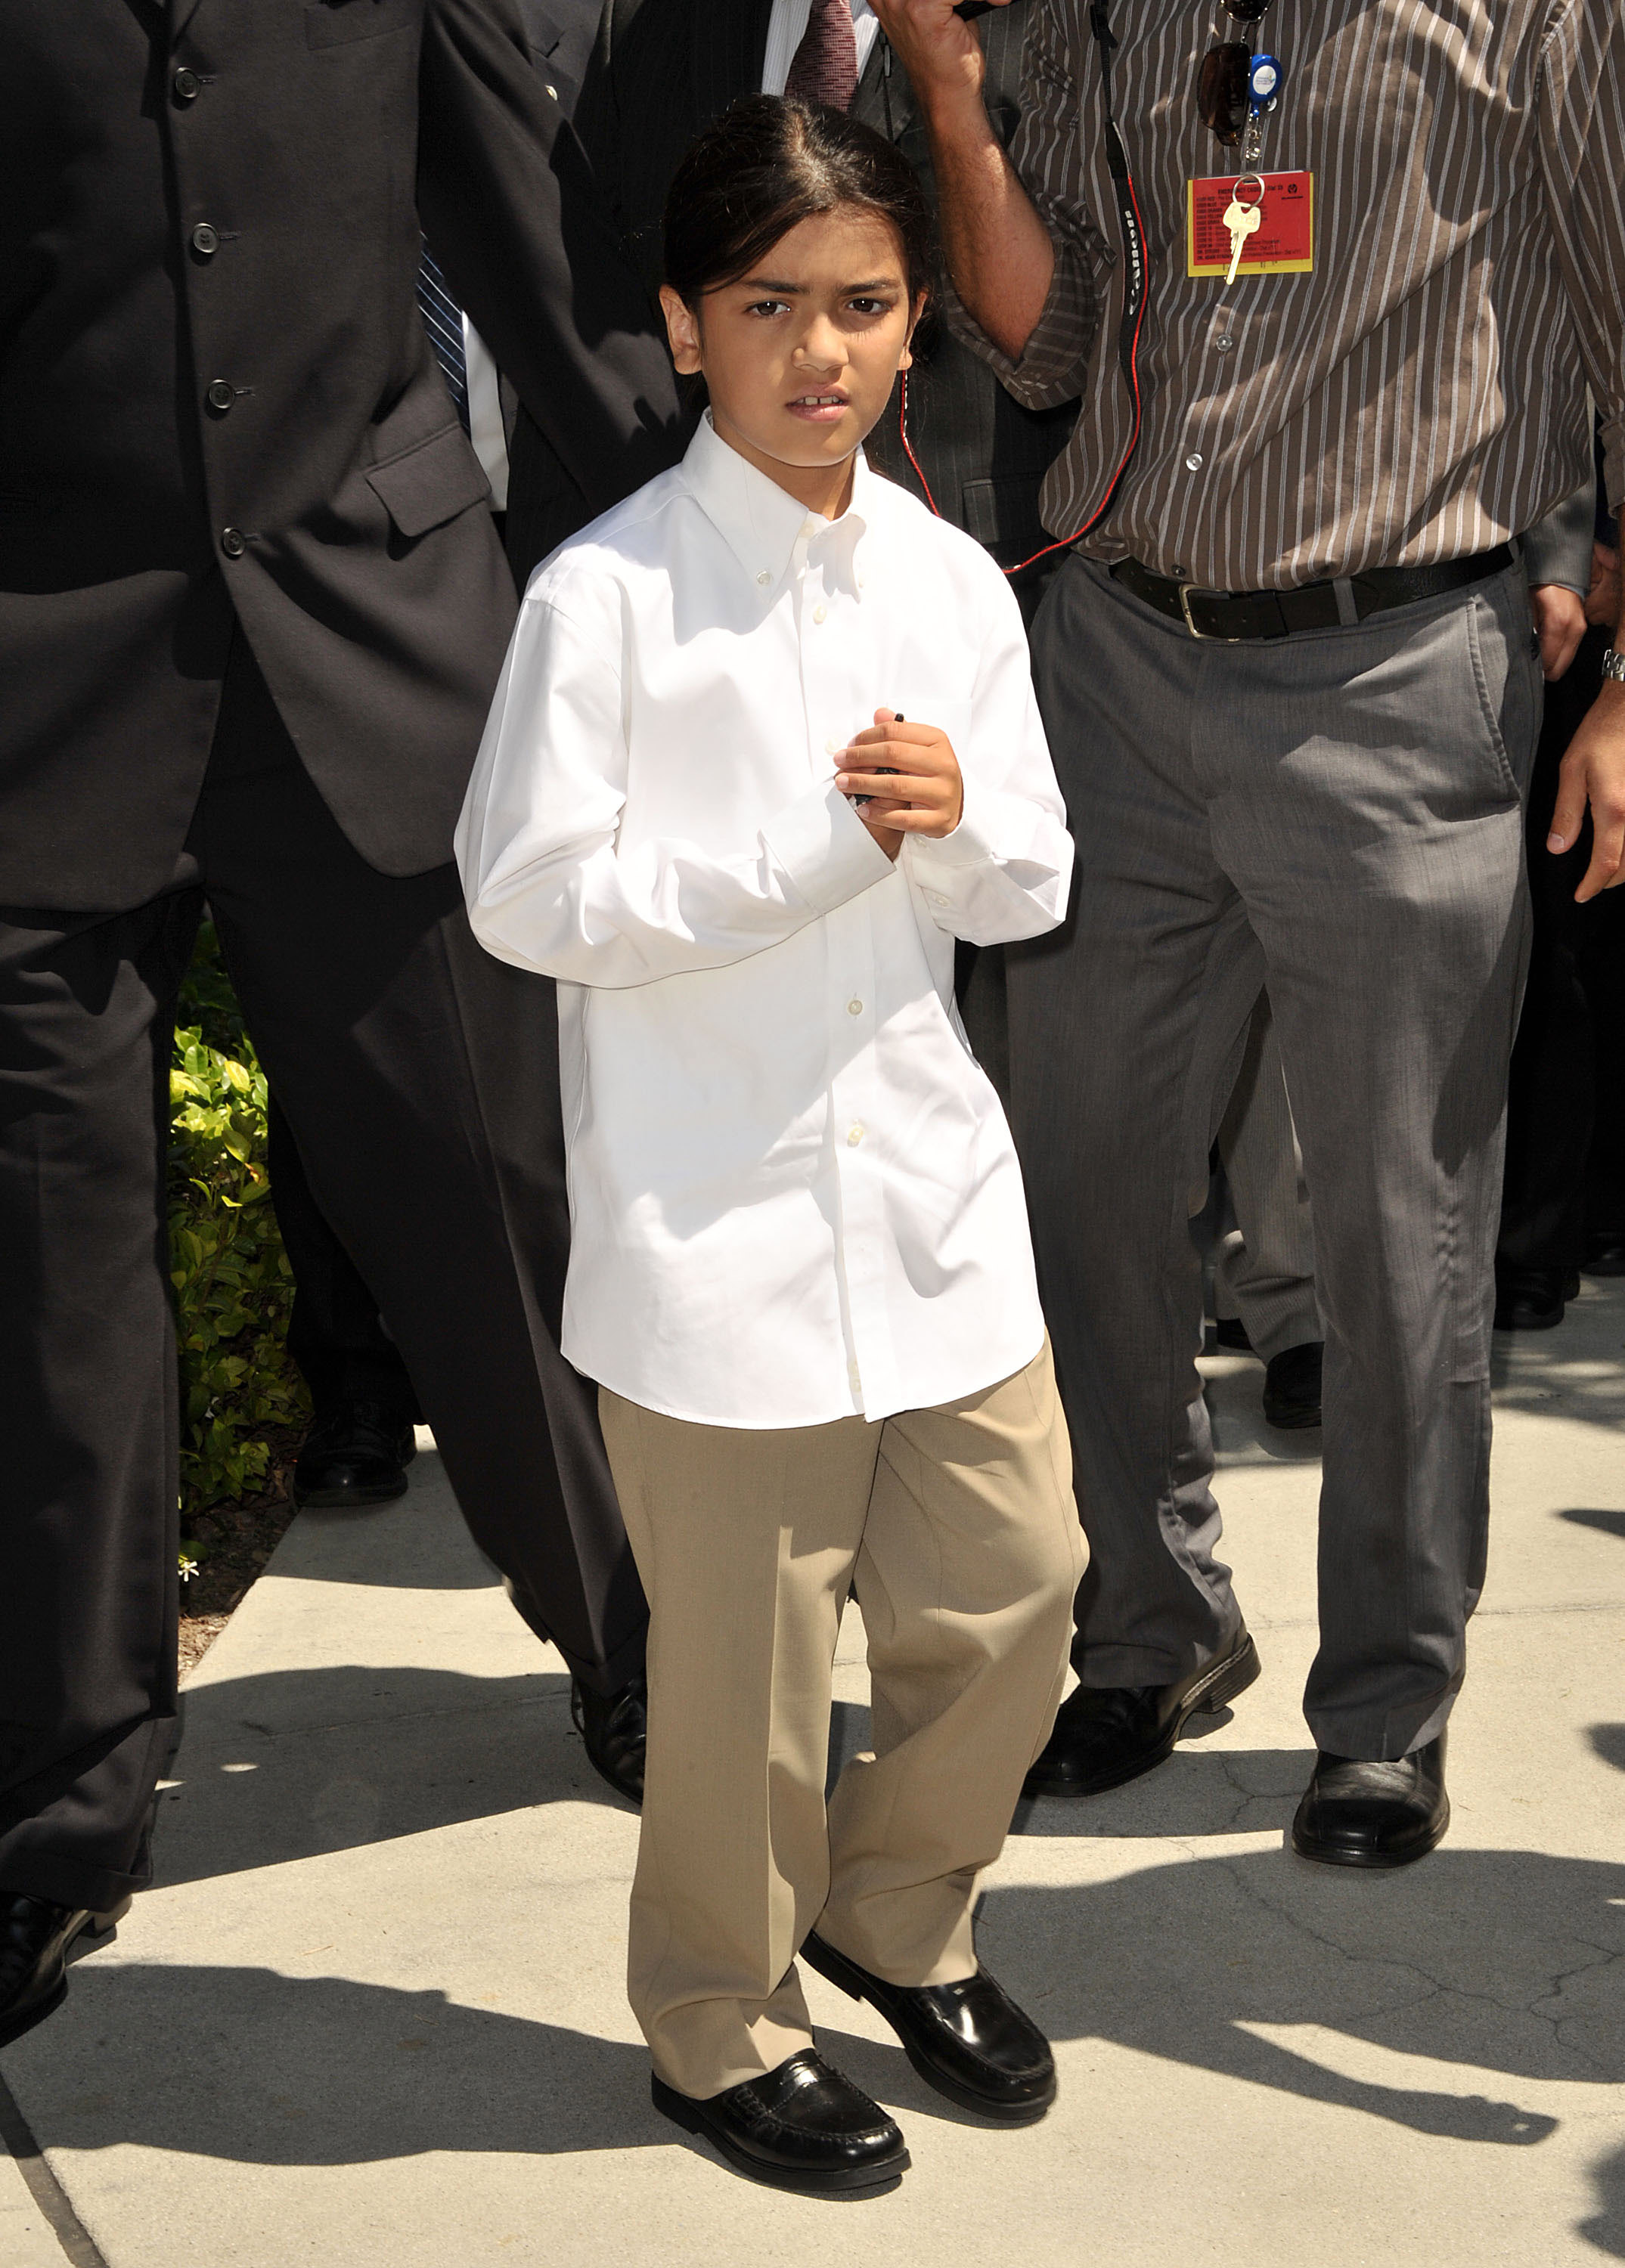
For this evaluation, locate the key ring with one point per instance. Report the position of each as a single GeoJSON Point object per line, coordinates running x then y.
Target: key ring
{"type": "Point", "coordinates": [1241, 184]}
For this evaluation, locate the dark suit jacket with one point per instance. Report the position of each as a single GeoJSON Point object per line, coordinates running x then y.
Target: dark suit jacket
{"type": "Point", "coordinates": [661, 72]}
{"type": "Point", "coordinates": [560, 34]}
{"type": "Point", "coordinates": [216, 401]}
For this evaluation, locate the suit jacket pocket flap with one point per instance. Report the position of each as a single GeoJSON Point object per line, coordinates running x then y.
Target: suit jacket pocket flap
{"type": "Point", "coordinates": [334, 23]}
{"type": "Point", "coordinates": [432, 482]}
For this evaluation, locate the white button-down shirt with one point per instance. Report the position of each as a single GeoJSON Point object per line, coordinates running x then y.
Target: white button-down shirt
{"type": "Point", "coordinates": [792, 1192]}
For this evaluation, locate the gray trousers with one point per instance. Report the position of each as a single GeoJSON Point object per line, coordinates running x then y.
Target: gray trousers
{"type": "Point", "coordinates": [1336, 815]}
{"type": "Point", "coordinates": [1264, 1270]}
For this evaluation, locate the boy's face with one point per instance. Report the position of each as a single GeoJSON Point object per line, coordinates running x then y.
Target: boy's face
{"type": "Point", "coordinates": [799, 356]}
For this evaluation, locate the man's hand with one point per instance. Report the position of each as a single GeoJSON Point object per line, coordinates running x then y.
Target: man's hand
{"type": "Point", "coordinates": [1602, 601]}
{"type": "Point", "coordinates": [938, 49]}
{"type": "Point", "coordinates": [1560, 624]}
{"type": "Point", "coordinates": [1593, 772]}
{"type": "Point", "coordinates": [911, 776]}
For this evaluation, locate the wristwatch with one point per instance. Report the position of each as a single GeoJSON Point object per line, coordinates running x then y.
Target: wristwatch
{"type": "Point", "coordinates": [1613, 665]}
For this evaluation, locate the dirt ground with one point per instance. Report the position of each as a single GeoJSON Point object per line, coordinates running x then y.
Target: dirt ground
{"type": "Point", "coordinates": [231, 1543]}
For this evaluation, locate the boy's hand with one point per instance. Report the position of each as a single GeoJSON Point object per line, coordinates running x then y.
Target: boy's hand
{"type": "Point", "coordinates": [912, 777]}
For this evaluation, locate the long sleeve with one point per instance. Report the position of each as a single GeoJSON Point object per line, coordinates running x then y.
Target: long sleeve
{"type": "Point", "coordinates": [1582, 150]}
{"type": "Point", "coordinates": [1558, 549]}
{"type": "Point", "coordinates": [1048, 156]}
{"type": "Point", "coordinates": [549, 886]}
{"type": "Point", "coordinates": [1005, 871]}
{"type": "Point", "coordinates": [517, 221]}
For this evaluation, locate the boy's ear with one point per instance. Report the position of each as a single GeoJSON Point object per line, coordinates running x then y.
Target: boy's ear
{"type": "Point", "coordinates": [682, 332]}
{"type": "Point", "coordinates": [905, 360]}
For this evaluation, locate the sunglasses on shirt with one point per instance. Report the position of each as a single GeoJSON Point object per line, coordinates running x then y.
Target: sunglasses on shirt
{"type": "Point", "coordinates": [1222, 96]}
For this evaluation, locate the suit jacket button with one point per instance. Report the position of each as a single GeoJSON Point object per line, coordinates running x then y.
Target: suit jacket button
{"type": "Point", "coordinates": [206, 239]}
{"type": "Point", "coordinates": [186, 85]}
{"type": "Point", "coordinates": [233, 542]}
{"type": "Point", "coordinates": [220, 395]}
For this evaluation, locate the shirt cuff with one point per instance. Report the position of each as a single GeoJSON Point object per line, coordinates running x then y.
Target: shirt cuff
{"type": "Point", "coordinates": [992, 827]}
{"type": "Point", "coordinates": [1052, 367]}
{"type": "Point", "coordinates": [825, 849]}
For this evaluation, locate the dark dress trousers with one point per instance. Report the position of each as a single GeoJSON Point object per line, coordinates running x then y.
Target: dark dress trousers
{"type": "Point", "coordinates": [661, 72]}
{"type": "Point", "coordinates": [252, 606]}
{"type": "Point", "coordinates": [335, 1334]}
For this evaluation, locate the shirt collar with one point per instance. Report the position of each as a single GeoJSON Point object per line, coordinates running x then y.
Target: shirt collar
{"type": "Point", "coordinates": [759, 522]}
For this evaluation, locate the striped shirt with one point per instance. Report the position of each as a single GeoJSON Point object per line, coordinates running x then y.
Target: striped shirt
{"type": "Point", "coordinates": [1422, 394]}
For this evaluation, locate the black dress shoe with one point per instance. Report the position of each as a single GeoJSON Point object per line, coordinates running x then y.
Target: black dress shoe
{"type": "Point", "coordinates": [615, 1730]}
{"type": "Point", "coordinates": [1604, 1255]}
{"type": "Point", "coordinates": [37, 1941]}
{"type": "Point", "coordinates": [1106, 1734]}
{"type": "Point", "coordinates": [1373, 1814]}
{"type": "Point", "coordinates": [968, 2040]}
{"type": "Point", "coordinates": [1530, 1299]}
{"type": "Point", "coordinates": [357, 1456]}
{"type": "Point", "coordinates": [1231, 1333]}
{"type": "Point", "coordinates": [800, 2127]}
{"type": "Point", "coordinates": [1292, 1387]}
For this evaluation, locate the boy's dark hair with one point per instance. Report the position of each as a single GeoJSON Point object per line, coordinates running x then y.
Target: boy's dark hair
{"type": "Point", "coordinates": [769, 163]}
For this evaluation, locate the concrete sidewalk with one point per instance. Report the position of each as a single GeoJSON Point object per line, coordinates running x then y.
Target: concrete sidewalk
{"type": "Point", "coordinates": [372, 2012]}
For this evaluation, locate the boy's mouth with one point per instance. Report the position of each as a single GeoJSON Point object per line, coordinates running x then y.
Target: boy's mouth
{"type": "Point", "coordinates": [822, 406]}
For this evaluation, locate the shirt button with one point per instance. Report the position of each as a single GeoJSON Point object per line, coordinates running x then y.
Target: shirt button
{"type": "Point", "coordinates": [1224, 345]}
{"type": "Point", "coordinates": [831, 744]}
{"type": "Point", "coordinates": [186, 86]}
{"type": "Point", "coordinates": [1193, 463]}
{"type": "Point", "coordinates": [855, 1134]}
{"type": "Point", "coordinates": [820, 613]}
{"type": "Point", "coordinates": [206, 239]}
{"type": "Point", "coordinates": [854, 1007]}
{"type": "Point", "coordinates": [220, 395]}
{"type": "Point", "coordinates": [764, 577]}
{"type": "Point", "coordinates": [552, 94]}
{"type": "Point", "coordinates": [233, 542]}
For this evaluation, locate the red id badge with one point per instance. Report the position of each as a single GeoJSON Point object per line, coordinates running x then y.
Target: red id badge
{"type": "Point", "coordinates": [1283, 243]}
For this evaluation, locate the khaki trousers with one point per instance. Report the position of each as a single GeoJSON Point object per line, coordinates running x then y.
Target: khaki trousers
{"type": "Point", "coordinates": [957, 1529]}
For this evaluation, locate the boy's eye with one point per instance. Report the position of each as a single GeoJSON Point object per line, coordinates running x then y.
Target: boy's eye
{"type": "Point", "coordinates": [767, 308]}
{"type": "Point", "coordinates": [866, 305]}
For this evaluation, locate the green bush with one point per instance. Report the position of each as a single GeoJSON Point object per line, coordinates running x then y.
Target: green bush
{"type": "Point", "coordinates": [232, 1284]}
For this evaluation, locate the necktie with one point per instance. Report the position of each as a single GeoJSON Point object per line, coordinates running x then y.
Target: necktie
{"type": "Point", "coordinates": [442, 319]}
{"type": "Point", "coordinates": [824, 67]}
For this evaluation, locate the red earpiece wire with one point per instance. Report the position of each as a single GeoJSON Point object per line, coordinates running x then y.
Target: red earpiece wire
{"type": "Point", "coordinates": [1062, 541]}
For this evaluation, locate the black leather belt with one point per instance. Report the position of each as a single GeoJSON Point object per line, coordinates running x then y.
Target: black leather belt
{"type": "Point", "coordinates": [1233, 615]}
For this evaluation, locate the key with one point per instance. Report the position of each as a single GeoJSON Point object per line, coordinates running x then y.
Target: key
{"type": "Point", "coordinates": [1242, 221]}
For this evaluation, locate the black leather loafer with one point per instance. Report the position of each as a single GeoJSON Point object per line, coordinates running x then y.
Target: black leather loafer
{"type": "Point", "coordinates": [615, 1731]}
{"type": "Point", "coordinates": [968, 2040]}
{"type": "Point", "coordinates": [37, 1941]}
{"type": "Point", "coordinates": [1107, 1735]}
{"type": "Point", "coordinates": [1533, 1299]}
{"type": "Point", "coordinates": [1292, 1387]}
{"type": "Point", "coordinates": [800, 2127]}
{"type": "Point", "coordinates": [358, 1455]}
{"type": "Point", "coordinates": [1373, 1814]}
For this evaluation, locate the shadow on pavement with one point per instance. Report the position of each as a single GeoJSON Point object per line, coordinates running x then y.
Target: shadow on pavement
{"type": "Point", "coordinates": [1605, 2229]}
{"type": "Point", "coordinates": [294, 1761]}
{"type": "Point", "coordinates": [1606, 1523]}
{"type": "Point", "coordinates": [1502, 1961]}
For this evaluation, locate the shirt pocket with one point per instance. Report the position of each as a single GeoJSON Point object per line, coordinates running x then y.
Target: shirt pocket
{"type": "Point", "coordinates": [334, 23]}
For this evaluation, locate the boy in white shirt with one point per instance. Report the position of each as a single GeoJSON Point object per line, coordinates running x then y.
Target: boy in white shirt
{"type": "Point", "coordinates": [801, 1271]}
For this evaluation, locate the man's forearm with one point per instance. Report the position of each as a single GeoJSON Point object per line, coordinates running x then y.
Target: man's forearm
{"type": "Point", "coordinates": [998, 250]}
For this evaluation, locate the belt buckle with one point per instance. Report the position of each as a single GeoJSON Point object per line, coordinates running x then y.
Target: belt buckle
{"type": "Point", "coordinates": [1202, 591]}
